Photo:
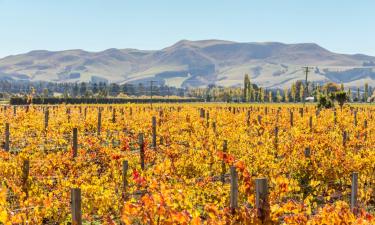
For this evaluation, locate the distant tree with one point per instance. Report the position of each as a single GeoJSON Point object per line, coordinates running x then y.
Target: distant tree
{"type": "Point", "coordinates": [82, 89]}
{"type": "Point", "coordinates": [370, 90]}
{"type": "Point", "coordinates": [358, 95]}
{"type": "Point", "coordinates": [349, 95]}
{"type": "Point", "coordinates": [114, 89]}
{"type": "Point", "coordinates": [141, 89]}
{"type": "Point", "coordinates": [45, 93]}
{"type": "Point", "coordinates": [372, 98]}
{"type": "Point", "coordinates": [95, 89]}
{"type": "Point", "coordinates": [103, 93]}
{"type": "Point", "coordinates": [88, 94]}
{"type": "Point", "coordinates": [253, 95]}
{"type": "Point", "coordinates": [103, 88]}
{"type": "Point", "coordinates": [301, 92]}
{"type": "Point", "coordinates": [286, 95]}
{"type": "Point", "coordinates": [270, 96]}
{"type": "Point", "coordinates": [261, 95]}
{"type": "Point", "coordinates": [317, 93]}
{"type": "Point", "coordinates": [278, 96]}
{"type": "Point", "coordinates": [66, 94]}
{"type": "Point", "coordinates": [341, 97]}
{"type": "Point", "coordinates": [246, 89]}
{"type": "Point", "coordinates": [325, 102]}
{"type": "Point", "coordinates": [365, 95]}
{"type": "Point", "coordinates": [342, 87]}
{"type": "Point", "coordinates": [75, 91]}
{"type": "Point", "coordinates": [331, 88]}
{"type": "Point", "coordinates": [293, 92]}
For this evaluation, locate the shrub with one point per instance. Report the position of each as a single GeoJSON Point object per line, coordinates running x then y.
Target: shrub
{"type": "Point", "coordinates": [325, 102]}
{"type": "Point", "coordinates": [341, 97]}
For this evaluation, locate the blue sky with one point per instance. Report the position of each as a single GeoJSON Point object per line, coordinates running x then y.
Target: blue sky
{"type": "Point", "coordinates": [343, 26]}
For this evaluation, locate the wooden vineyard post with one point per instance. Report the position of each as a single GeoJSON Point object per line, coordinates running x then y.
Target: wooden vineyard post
{"type": "Point", "coordinates": [291, 119]}
{"type": "Point", "coordinates": [353, 196]}
{"type": "Point", "coordinates": [208, 119]}
{"type": "Point", "coordinates": [161, 114]}
{"type": "Point", "coordinates": [85, 112]}
{"type": "Point", "coordinates": [301, 112]}
{"type": "Point", "coordinates": [75, 142]}
{"type": "Point", "coordinates": [202, 113]}
{"type": "Point", "coordinates": [188, 118]}
{"type": "Point", "coordinates": [76, 206]}
{"type": "Point", "coordinates": [141, 150]}
{"type": "Point", "coordinates": [365, 126]}
{"type": "Point", "coordinates": [160, 118]}
{"type": "Point", "coordinates": [261, 198]}
{"type": "Point", "coordinates": [355, 118]}
{"type": "Point", "coordinates": [276, 138]}
{"type": "Point", "coordinates": [7, 137]}
{"type": "Point", "coordinates": [46, 117]}
{"type": "Point", "coordinates": [311, 123]}
{"type": "Point", "coordinates": [233, 189]}
{"type": "Point", "coordinates": [334, 117]}
{"type": "Point", "coordinates": [259, 119]}
{"type": "Point", "coordinates": [68, 113]}
{"type": "Point", "coordinates": [223, 167]}
{"type": "Point", "coordinates": [114, 115]}
{"type": "Point", "coordinates": [344, 138]}
{"type": "Point", "coordinates": [125, 167]}
{"type": "Point", "coordinates": [25, 176]}
{"type": "Point", "coordinates": [154, 132]}
{"type": "Point", "coordinates": [99, 122]}
{"type": "Point", "coordinates": [307, 152]}
{"type": "Point", "coordinates": [277, 116]}
{"type": "Point", "coordinates": [214, 128]}
{"type": "Point", "coordinates": [14, 111]}
{"type": "Point", "coordinates": [248, 118]}
{"type": "Point", "coordinates": [161, 141]}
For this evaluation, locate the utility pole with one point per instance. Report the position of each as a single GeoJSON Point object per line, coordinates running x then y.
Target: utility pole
{"type": "Point", "coordinates": [151, 82]}
{"type": "Point", "coordinates": [306, 92]}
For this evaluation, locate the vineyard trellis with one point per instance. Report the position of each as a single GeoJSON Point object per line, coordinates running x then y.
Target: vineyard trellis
{"type": "Point", "coordinates": [72, 140]}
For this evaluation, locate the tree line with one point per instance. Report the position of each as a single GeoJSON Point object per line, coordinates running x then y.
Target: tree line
{"type": "Point", "coordinates": [85, 89]}
{"type": "Point", "coordinates": [297, 92]}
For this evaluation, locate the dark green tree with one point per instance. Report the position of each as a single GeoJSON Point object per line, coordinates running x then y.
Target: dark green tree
{"type": "Point", "coordinates": [325, 102]}
{"type": "Point", "coordinates": [341, 97]}
{"type": "Point", "coordinates": [246, 90]}
{"type": "Point", "coordinates": [83, 89]}
{"type": "Point", "coordinates": [75, 91]}
{"type": "Point", "coordinates": [95, 89]}
{"type": "Point", "coordinates": [365, 95]}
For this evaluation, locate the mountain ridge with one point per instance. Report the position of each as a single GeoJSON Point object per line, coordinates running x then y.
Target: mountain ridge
{"type": "Point", "coordinates": [193, 64]}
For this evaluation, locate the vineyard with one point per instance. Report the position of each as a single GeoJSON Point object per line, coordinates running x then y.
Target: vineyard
{"type": "Point", "coordinates": [187, 164]}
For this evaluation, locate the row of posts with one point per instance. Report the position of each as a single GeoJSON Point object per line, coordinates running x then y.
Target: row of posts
{"type": "Point", "coordinates": [261, 183]}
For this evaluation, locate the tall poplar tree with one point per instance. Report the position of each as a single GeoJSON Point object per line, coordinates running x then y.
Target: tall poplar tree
{"type": "Point", "coordinates": [286, 95]}
{"type": "Point", "coordinates": [246, 88]}
{"type": "Point", "coordinates": [365, 95]}
{"type": "Point", "coordinates": [293, 92]}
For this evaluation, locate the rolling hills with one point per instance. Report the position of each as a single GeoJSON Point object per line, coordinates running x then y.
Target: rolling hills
{"type": "Point", "coordinates": [194, 64]}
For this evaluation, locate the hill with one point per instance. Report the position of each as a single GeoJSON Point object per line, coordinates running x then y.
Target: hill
{"type": "Point", "coordinates": [194, 64]}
